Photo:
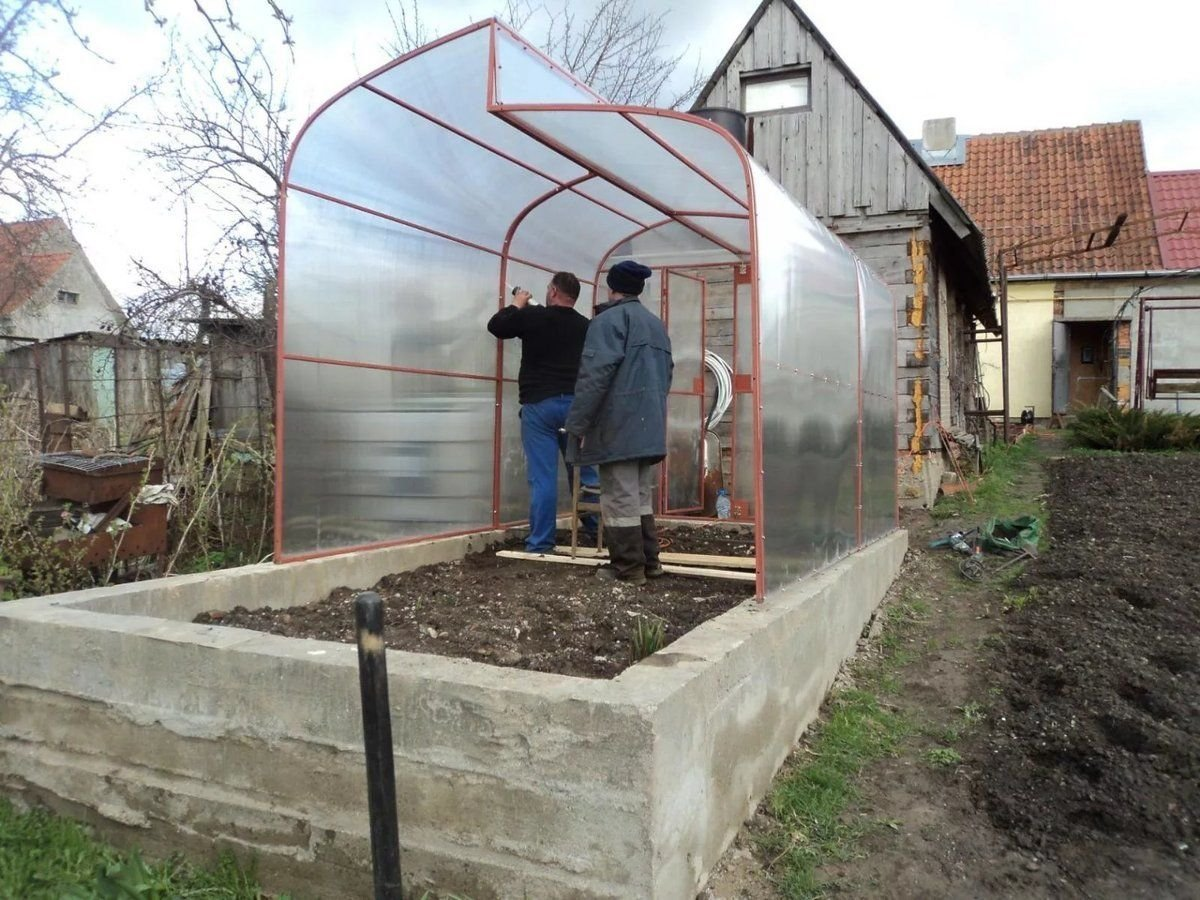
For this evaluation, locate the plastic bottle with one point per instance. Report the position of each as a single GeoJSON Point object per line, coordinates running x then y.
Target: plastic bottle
{"type": "Point", "coordinates": [724, 506]}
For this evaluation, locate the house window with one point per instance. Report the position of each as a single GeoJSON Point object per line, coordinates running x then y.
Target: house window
{"type": "Point", "coordinates": [776, 92]}
{"type": "Point", "coordinates": [71, 298]}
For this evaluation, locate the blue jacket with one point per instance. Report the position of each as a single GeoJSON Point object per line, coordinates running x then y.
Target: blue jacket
{"type": "Point", "coordinates": [620, 405]}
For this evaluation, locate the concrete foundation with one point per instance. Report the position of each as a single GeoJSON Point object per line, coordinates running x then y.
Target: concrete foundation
{"type": "Point", "coordinates": [511, 784]}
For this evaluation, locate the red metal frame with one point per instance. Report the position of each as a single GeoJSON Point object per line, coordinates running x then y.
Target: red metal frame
{"type": "Point", "coordinates": [383, 367]}
{"type": "Point", "coordinates": [862, 340]}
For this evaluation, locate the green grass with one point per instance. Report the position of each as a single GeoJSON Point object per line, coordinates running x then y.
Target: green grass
{"type": "Point", "coordinates": [997, 493]}
{"type": "Point", "coordinates": [47, 857]}
{"type": "Point", "coordinates": [808, 802]}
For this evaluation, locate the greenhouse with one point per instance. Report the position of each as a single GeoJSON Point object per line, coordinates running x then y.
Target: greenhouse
{"type": "Point", "coordinates": [419, 197]}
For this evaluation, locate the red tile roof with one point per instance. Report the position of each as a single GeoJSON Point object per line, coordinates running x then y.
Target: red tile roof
{"type": "Point", "coordinates": [27, 261]}
{"type": "Point", "coordinates": [1171, 192]}
{"type": "Point", "coordinates": [1034, 185]}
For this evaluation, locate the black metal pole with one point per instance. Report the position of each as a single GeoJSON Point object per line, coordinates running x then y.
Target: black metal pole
{"type": "Point", "coordinates": [377, 741]}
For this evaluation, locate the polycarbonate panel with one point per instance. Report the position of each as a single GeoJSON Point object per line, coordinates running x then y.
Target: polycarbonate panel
{"type": "Point", "coordinates": [514, 487]}
{"type": "Point", "coordinates": [609, 194]}
{"type": "Point", "coordinates": [568, 232]}
{"type": "Point", "coordinates": [685, 415]}
{"type": "Point", "coordinates": [743, 329]}
{"type": "Point", "coordinates": [606, 140]}
{"type": "Point", "coordinates": [672, 244]}
{"type": "Point", "coordinates": [734, 232]}
{"type": "Point", "coordinates": [372, 455]}
{"type": "Point", "coordinates": [369, 151]}
{"type": "Point", "coordinates": [710, 150]}
{"type": "Point", "coordinates": [809, 346]}
{"type": "Point", "coordinates": [525, 76]}
{"type": "Point", "coordinates": [685, 326]}
{"type": "Point", "coordinates": [364, 289]}
{"type": "Point", "coordinates": [450, 83]}
{"type": "Point", "coordinates": [879, 408]}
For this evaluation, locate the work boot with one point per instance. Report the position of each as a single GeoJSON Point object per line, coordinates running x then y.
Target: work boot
{"type": "Point", "coordinates": [627, 561]}
{"type": "Point", "coordinates": [654, 568]}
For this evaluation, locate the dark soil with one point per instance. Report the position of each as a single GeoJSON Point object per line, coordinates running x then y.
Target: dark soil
{"type": "Point", "coordinates": [1094, 754]}
{"type": "Point", "coordinates": [549, 617]}
{"type": "Point", "coordinates": [1075, 715]}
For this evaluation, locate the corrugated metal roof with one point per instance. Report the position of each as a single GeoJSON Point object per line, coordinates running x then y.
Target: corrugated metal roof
{"type": "Point", "coordinates": [1171, 192]}
{"type": "Point", "coordinates": [1032, 185]}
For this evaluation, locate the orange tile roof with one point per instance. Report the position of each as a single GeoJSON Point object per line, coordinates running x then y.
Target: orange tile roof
{"type": "Point", "coordinates": [1037, 185]}
{"type": "Point", "coordinates": [1171, 192]}
{"type": "Point", "coordinates": [23, 267]}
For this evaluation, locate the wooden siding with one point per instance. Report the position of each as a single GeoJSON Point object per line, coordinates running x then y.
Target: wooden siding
{"type": "Point", "coordinates": [836, 159]}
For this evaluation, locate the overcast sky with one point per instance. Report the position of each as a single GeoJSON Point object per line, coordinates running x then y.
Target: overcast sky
{"type": "Point", "coordinates": [1003, 65]}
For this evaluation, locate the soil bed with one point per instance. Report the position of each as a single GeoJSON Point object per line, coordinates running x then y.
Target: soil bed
{"type": "Point", "coordinates": [1094, 751]}
{"type": "Point", "coordinates": [548, 617]}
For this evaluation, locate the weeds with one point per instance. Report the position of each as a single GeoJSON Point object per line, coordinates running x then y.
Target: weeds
{"type": "Point", "coordinates": [942, 757]}
{"type": "Point", "coordinates": [45, 857]}
{"type": "Point", "coordinates": [808, 802]}
{"type": "Point", "coordinates": [1017, 602]}
{"type": "Point", "coordinates": [648, 636]}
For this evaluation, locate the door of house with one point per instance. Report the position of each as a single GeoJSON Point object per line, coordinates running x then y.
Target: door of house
{"type": "Point", "coordinates": [1091, 362]}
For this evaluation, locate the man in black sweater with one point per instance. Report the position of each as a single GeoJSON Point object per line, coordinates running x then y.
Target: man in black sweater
{"type": "Point", "coordinates": [551, 344]}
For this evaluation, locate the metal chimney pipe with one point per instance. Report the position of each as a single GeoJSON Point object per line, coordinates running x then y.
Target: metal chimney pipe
{"type": "Point", "coordinates": [732, 120]}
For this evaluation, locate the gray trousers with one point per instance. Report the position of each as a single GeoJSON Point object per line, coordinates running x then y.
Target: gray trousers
{"type": "Point", "coordinates": [627, 492]}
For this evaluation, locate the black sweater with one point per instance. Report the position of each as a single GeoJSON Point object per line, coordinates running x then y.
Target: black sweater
{"type": "Point", "coordinates": [551, 344]}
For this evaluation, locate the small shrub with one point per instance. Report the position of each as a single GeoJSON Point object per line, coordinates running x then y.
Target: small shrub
{"type": "Point", "coordinates": [1112, 428]}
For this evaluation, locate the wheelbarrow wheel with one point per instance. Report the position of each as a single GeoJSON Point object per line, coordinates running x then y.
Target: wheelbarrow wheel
{"type": "Point", "coordinates": [972, 569]}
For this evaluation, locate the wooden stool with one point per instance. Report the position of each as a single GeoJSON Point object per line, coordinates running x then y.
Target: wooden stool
{"type": "Point", "coordinates": [579, 507]}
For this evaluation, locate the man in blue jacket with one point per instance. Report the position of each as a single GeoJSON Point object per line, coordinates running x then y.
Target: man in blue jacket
{"type": "Point", "coordinates": [551, 341]}
{"type": "Point", "coordinates": [619, 415]}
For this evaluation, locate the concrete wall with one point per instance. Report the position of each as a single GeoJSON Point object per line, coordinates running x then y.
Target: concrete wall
{"type": "Point", "coordinates": [511, 784]}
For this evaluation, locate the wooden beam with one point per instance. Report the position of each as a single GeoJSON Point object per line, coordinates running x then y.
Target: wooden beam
{"type": "Point", "coordinates": [673, 570]}
{"type": "Point", "coordinates": [683, 559]}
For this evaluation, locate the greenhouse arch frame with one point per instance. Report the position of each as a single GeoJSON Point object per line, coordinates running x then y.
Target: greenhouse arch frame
{"type": "Point", "coordinates": [417, 197]}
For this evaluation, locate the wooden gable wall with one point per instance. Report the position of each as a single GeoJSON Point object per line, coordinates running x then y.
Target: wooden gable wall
{"type": "Point", "coordinates": [838, 159]}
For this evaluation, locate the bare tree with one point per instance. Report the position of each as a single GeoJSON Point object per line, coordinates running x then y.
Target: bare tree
{"type": "Point", "coordinates": [223, 134]}
{"type": "Point", "coordinates": [617, 50]}
{"type": "Point", "coordinates": [41, 125]}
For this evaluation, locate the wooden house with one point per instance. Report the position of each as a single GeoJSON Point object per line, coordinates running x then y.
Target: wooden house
{"type": "Point", "coordinates": [812, 124]}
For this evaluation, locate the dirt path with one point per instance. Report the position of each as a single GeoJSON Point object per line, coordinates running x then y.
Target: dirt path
{"type": "Point", "coordinates": [989, 790]}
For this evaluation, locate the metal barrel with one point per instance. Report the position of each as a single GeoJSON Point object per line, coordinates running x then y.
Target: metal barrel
{"type": "Point", "coordinates": [377, 742]}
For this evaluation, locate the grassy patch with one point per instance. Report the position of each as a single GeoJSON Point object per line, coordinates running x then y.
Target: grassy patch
{"type": "Point", "coordinates": [46, 857]}
{"type": "Point", "coordinates": [997, 493]}
{"type": "Point", "coordinates": [808, 801]}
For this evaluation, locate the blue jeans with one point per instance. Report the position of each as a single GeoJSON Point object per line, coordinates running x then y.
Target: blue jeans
{"type": "Point", "coordinates": [544, 444]}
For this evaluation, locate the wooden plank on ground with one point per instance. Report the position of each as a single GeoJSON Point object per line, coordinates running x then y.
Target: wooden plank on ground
{"type": "Point", "coordinates": [580, 561]}
{"type": "Point", "coordinates": [682, 559]}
